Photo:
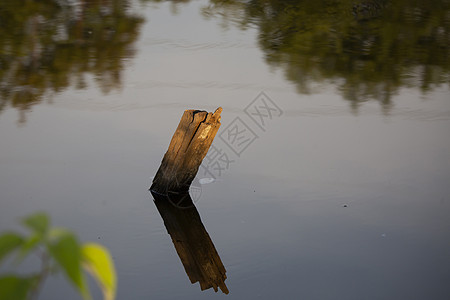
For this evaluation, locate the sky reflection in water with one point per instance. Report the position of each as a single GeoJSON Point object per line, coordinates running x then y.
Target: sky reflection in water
{"type": "Point", "coordinates": [333, 199]}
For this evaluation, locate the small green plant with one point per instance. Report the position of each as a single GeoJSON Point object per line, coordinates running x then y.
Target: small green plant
{"type": "Point", "coordinates": [59, 250]}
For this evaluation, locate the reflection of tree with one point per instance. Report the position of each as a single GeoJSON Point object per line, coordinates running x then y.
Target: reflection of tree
{"type": "Point", "coordinates": [51, 45]}
{"type": "Point", "coordinates": [369, 48]}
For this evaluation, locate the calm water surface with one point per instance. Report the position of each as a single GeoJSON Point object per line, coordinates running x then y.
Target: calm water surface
{"type": "Point", "coordinates": [343, 193]}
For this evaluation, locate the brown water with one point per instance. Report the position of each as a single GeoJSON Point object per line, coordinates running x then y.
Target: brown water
{"type": "Point", "coordinates": [335, 184]}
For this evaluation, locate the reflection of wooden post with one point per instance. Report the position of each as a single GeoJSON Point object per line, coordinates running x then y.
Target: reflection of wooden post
{"type": "Point", "coordinates": [188, 147]}
{"type": "Point", "coordinates": [191, 240]}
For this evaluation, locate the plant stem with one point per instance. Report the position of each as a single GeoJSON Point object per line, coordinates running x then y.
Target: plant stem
{"type": "Point", "coordinates": [45, 270]}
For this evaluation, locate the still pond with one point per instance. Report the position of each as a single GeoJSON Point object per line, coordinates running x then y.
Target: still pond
{"type": "Point", "coordinates": [328, 179]}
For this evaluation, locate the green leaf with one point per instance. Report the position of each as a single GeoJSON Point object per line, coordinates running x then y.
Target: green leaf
{"type": "Point", "coordinates": [9, 242]}
{"type": "Point", "coordinates": [29, 245]}
{"type": "Point", "coordinates": [98, 262]}
{"type": "Point", "coordinates": [67, 253]}
{"type": "Point", "coordinates": [15, 288]}
{"type": "Point", "coordinates": [38, 222]}
{"type": "Point", "coordinates": [57, 232]}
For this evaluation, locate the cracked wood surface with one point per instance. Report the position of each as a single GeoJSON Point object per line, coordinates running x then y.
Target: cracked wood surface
{"type": "Point", "coordinates": [189, 145]}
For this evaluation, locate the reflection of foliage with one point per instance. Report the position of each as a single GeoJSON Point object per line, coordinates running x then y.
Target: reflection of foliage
{"type": "Point", "coordinates": [230, 11]}
{"type": "Point", "coordinates": [373, 56]}
{"type": "Point", "coordinates": [59, 250]}
{"type": "Point", "coordinates": [50, 45]}
{"type": "Point", "coordinates": [370, 48]}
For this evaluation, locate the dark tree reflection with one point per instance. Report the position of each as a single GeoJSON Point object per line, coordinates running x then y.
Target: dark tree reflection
{"type": "Point", "coordinates": [369, 49]}
{"type": "Point", "coordinates": [47, 46]}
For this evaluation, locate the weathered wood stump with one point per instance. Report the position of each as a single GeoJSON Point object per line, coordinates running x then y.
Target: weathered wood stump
{"type": "Point", "coordinates": [191, 240]}
{"type": "Point", "coordinates": [188, 147]}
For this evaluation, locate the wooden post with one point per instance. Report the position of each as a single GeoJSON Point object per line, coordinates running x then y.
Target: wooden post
{"type": "Point", "coordinates": [170, 190]}
{"type": "Point", "coordinates": [191, 240]}
{"type": "Point", "coordinates": [188, 147]}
